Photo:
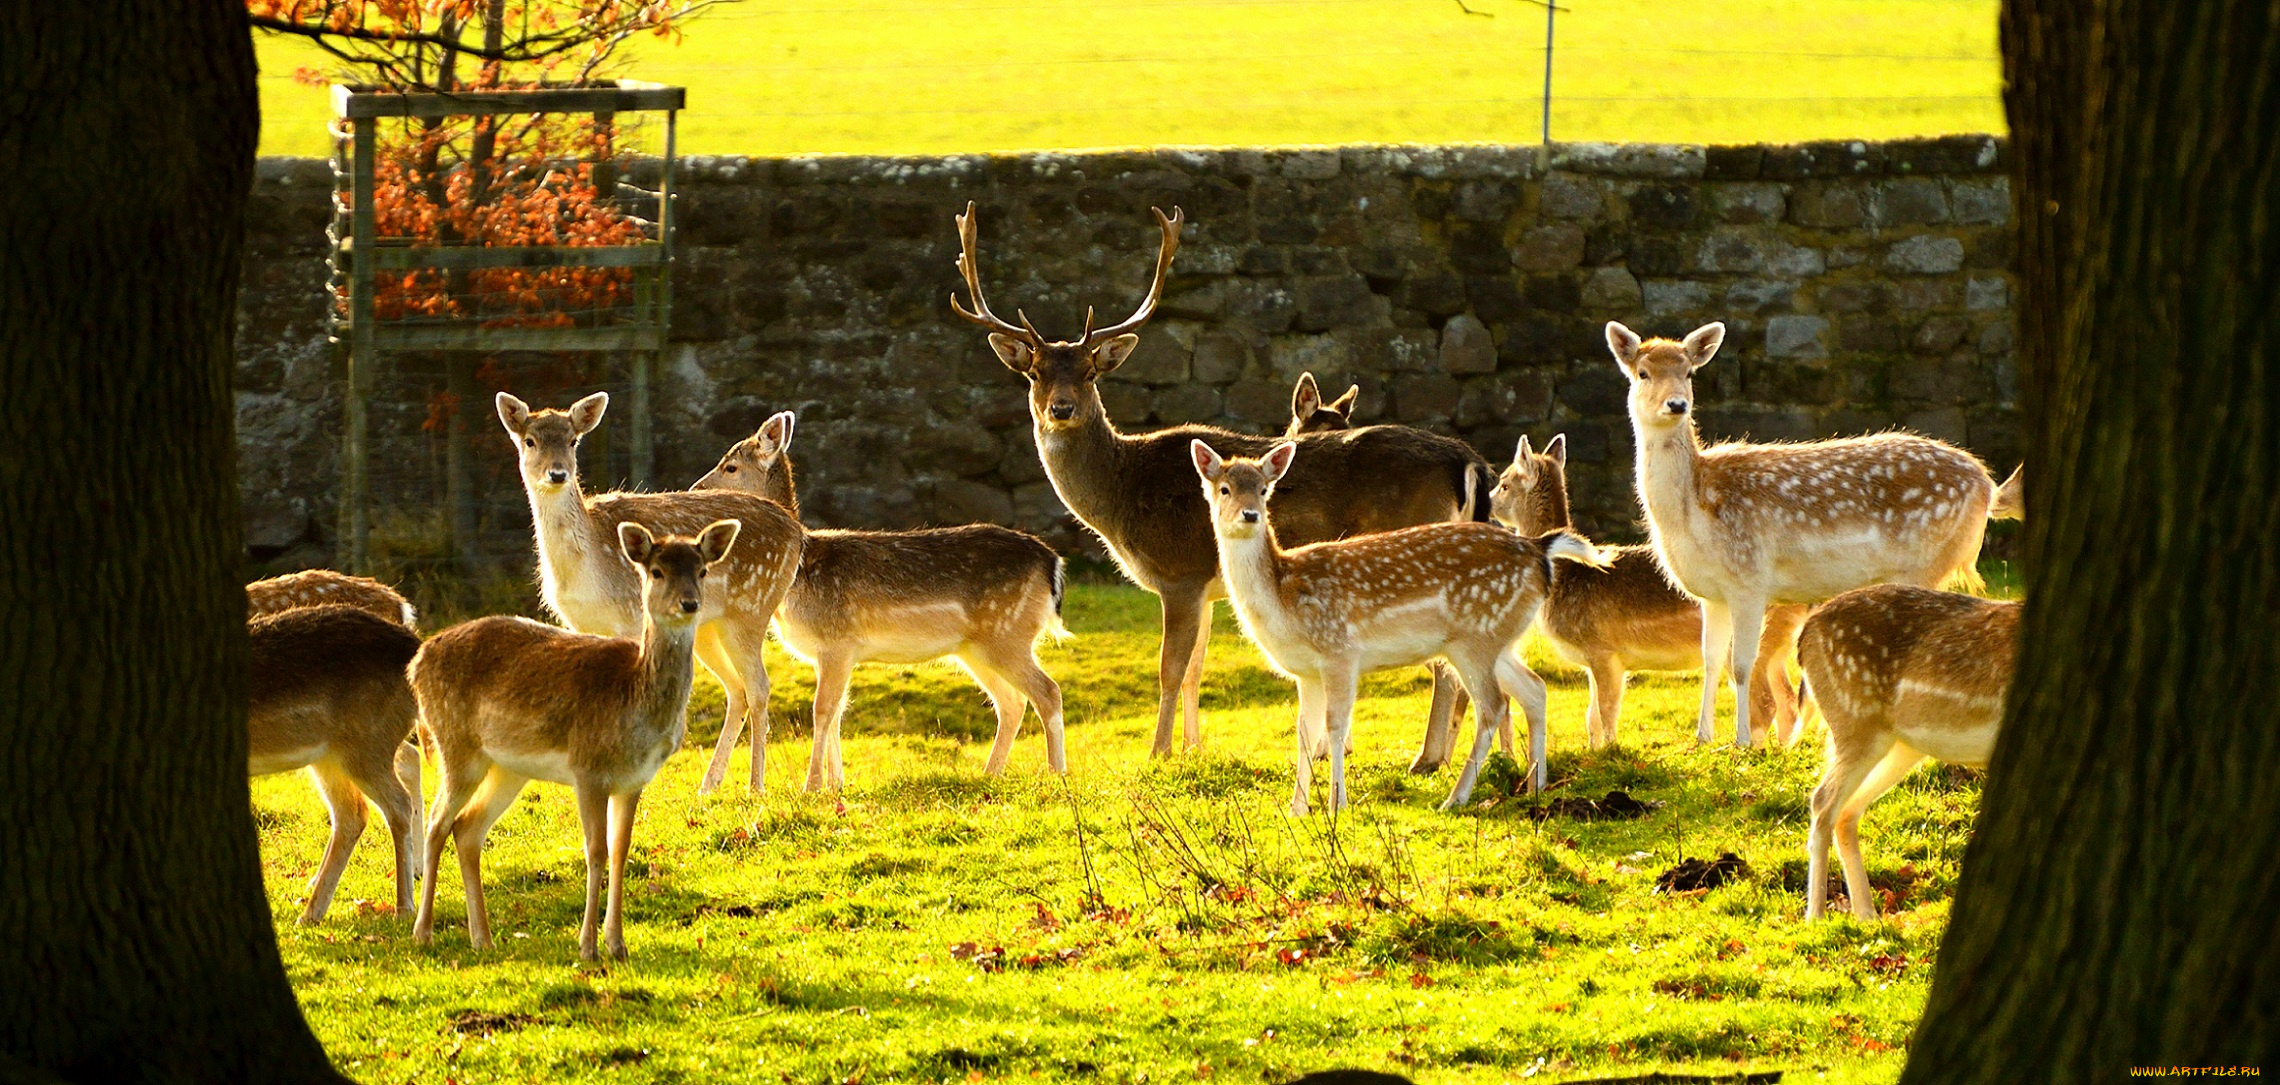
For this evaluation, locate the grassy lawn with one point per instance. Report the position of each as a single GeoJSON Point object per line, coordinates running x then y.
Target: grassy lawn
{"type": "Point", "coordinates": [771, 77]}
{"type": "Point", "coordinates": [932, 924]}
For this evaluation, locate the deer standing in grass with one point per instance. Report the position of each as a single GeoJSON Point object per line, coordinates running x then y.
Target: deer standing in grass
{"type": "Point", "coordinates": [504, 701]}
{"type": "Point", "coordinates": [1628, 616]}
{"type": "Point", "coordinates": [1127, 488]}
{"type": "Point", "coordinates": [981, 594]}
{"type": "Point", "coordinates": [1309, 414]}
{"type": "Point", "coordinates": [1746, 526]}
{"type": "Point", "coordinates": [1328, 613]}
{"type": "Point", "coordinates": [326, 692]}
{"type": "Point", "coordinates": [1901, 674]}
{"type": "Point", "coordinates": [585, 582]}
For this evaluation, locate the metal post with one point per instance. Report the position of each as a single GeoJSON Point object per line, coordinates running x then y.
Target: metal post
{"type": "Point", "coordinates": [658, 310]}
{"type": "Point", "coordinates": [1550, 9]}
{"type": "Point", "coordinates": [355, 494]}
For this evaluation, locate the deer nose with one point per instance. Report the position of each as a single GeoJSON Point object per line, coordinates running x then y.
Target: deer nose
{"type": "Point", "coordinates": [1674, 406]}
{"type": "Point", "coordinates": [1250, 516]}
{"type": "Point", "coordinates": [689, 606]}
{"type": "Point", "coordinates": [1062, 412]}
{"type": "Point", "coordinates": [558, 477]}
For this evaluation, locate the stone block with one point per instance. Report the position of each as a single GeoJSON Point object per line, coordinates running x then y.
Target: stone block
{"type": "Point", "coordinates": [1797, 337]}
{"type": "Point", "coordinates": [1494, 299]}
{"type": "Point", "coordinates": [1555, 247]}
{"type": "Point", "coordinates": [1997, 338]}
{"type": "Point", "coordinates": [1487, 201]}
{"type": "Point", "coordinates": [1672, 160]}
{"type": "Point", "coordinates": [1857, 296]}
{"type": "Point", "coordinates": [1423, 397]}
{"type": "Point", "coordinates": [1944, 154]}
{"type": "Point", "coordinates": [965, 501]}
{"type": "Point", "coordinates": [1263, 404]}
{"type": "Point", "coordinates": [1736, 162]}
{"type": "Point", "coordinates": [1982, 203]}
{"type": "Point", "coordinates": [1188, 403]}
{"type": "Point", "coordinates": [1925, 255]}
{"type": "Point", "coordinates": [1467, 347]}
{"type": "Point", "coordinates": [1597, 390]}
{"type": "Point", "coordinates": [1747, 203]}
{"type": "Point", "coordinates": [1824, 158]}
{"type": "Point", "coordinates": [1911, 201]}
{"type": "Point", "coordinates": [1219, 358]}
{"type": "Point", "coordinates": [1666, 208]}
{"type": "Point", "coordinates": [1612, 288]}
{"type": "Point", "coordinates": [1827, 206]}
{"type": "Point", "coordinates": [1987, 292]}
{"type": "Point", "coordinates": [1569, 197]}
{"type": "Point", "coordinates": [1939, 334]}
{"type": "Point", "coordinates": [1913, 294]}
{"type": "Point", "coordinates": [1760, 295]}
{"type": "Point", "coordinates": [1675, 296]}
{"type": "Point", "coordinates": [1340, 302]}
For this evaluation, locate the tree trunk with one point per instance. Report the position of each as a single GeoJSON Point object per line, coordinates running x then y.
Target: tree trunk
{"type": "Point", "coordinates": [135, 939]}
{"type": "Point", "coordinates": [2120, 903]}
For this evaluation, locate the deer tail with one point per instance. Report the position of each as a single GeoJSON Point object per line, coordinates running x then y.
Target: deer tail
{"type": "Point", "coordinates": [1058, 580]}
{"type": "Point", "coordinates": [1477, 482]}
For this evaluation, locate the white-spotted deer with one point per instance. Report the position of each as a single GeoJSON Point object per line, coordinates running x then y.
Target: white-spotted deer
{"type": "Point", "coordinates": [981, 594]}
{"type": "Point", "coordinates": [504, 701]}
{"type": "Point", "coordinates": [1309, 414]}
{"type": "Point", "coordinates": [324, 587]}
{"type": "Point", "coordinates": [585, 582]}
{"type": "Point", "coordinates": [1901, 674]}
{"type": "Point", "coordinates": [1746, 526]}
{"type": "Point", "coordinates": [1628, 616]}
{"type": "Point", "coordinates": [1127, 488]}
{"type": "Point", "coordinates": [326, 692]}
{"type": "Point", "coordinates": [1328, 613]}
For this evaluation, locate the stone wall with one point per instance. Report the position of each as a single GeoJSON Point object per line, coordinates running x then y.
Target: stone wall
{"type": "Point", "coordinates": [1865, 286]}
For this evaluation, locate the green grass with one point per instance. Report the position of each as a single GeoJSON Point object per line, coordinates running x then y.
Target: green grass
{"type": "Point", "coordinates": [1198, 932]}
{"type": "Point", "coordinates": [772, 77]}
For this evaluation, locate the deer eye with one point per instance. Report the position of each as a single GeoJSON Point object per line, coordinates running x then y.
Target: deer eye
{"type": "Point", "coordinates": [657, 574]}
{"type": "Point", "coordinates": [529, 443]}
{"type": "Point", "coordinates": [700, 574]}
{"type": "Point", "coordinates": [730, 469]}
{"type": "Point", "coordinates": [1223, 491]}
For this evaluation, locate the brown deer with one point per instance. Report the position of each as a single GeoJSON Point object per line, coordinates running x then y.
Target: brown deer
{"type": "Point", "coordinates": [2011, 497]}
{"type": "Point", "coordinates": [1328, 613]}
{"type": "Point", "coordinates": [1127, 488]}
{"type": "Point", "coordinates": [1308, 414]}
{"type": "Point", "coordinates": [1628, 616]}
{"type": "Point", "coordinates": [982, 594]}
{"type": "Point", "coordinates": [504, 701]}
{"type": "Point", "coordinates": [321, 587]}
{"type": "Point", "coordinates": [1901, 674]}
{"type": "Point", "coordinates": [326, 692]}
{"type": "Point", "coordinates": [584, 582]}
{"type": "Point", "coordinates": [1746, 526]}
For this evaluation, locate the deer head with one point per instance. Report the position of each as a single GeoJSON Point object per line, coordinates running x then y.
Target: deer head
{"type": "Point", "coordinates": [1061, 373]}
{"type": "Point", "coordinates": [758, 464]}
{"type": "Point", "coordinates": [1309, 414]}
{"type": "Point", "coordinates": [1662, 372]}
{"type": "Point", "coordinates": [1237, 490]}
{"type": "Point", "coordinates": [673, 571]}
{"type": "Point", "coordinates": [1531, 496]}
{"type": "Point", "coordinates": [547, 441]}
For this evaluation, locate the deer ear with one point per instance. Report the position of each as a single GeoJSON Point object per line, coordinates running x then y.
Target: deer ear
{"type": "Point", "coordinates": [1344, 405]}
{"type": "Point", "coordinates": [1524, 461]}
{"type": "Point", "coordinates": [1107, 356]}
{"type": "Point", "coordinates": [1014, 351]}
{"type": "Point", "coordinates": [1557, 450]}
{"type": "Point", "coordinates": [1702, 343]}
{"type": "Point", "coordinates": [775, 434]}
{"type": "Point", "coordinates": [1276, 462]}
{"type": "Point", "coordinates": [636, 541]}
{"type": "Point", "coordinates": [1624, 344]}
{"type": "Point", "coordinates": [1306, 398]}
{"type": "Point", "coordinates": [513, 414]}
{"type": "Point", "coordinates": [713, 542]}
{"type": "Point", "coordinates": [1207, 463]}
{"type": "Point", "coordinates": [587, 413]}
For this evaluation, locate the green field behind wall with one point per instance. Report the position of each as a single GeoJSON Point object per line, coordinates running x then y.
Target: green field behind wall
{"type": "Point", "coordinates": [775, 77]}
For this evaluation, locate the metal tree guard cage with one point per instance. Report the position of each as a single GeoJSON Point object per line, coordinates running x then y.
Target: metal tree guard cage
{"type": "Point", "coordinates": [359, 257]}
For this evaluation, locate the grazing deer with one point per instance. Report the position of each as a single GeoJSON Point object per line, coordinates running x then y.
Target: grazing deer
{"type": "Point", "coordinates": [327, 693]}
{"type": "Point", "coordinates": [1127, 488]}
{"type": "Point", "coordinates": [1746, 526]}
{"type": "Point", "coordinates": [982, 594]}
{"type": "Point", "coordinates": [2011, 497]}
{"type": "Point", "coordinates": [584, 581]}
{"type": "Point", "coordinates": [1628, 616]}
{"type": "Point", "coordinates": [322, 587]}
{"type": "Point", "coordinates": [1328, 613]}
{"type": "Point", "coordinates": [1308, 414]}
{"type": "Point", "coordinates": [504, 701]}
{"type": "Point", "coordinates": [1901, 674]}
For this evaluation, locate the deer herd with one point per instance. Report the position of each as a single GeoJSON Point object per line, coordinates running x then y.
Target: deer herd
{"type": "Point", "coordinates": [1343, 549]}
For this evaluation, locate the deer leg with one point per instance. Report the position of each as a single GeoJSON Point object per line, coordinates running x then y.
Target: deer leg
{"type": "Point", "coordinates": [1339, 688]}
{"type": "Point", "coordinates": [1312, 703]}
{"type": "Point", "coordinates": [594, 826]}
{"type": "Point", "coordinates": [1749, 625]}
{"type": "Point", "coordinates": [1607, 676]}
{"type": "Point", "coordinates": [491, 801]}
{"type": "Point", "coordinates": [1191, 685]}
{"type": "Point", "coordinates": [1896, 764]}
{"type": "Point", "coordinates": [747, 648]}
{"type": "Point", "coordinates": [1527, 687]}
{"type": "Point", "coordinates": [1181, 614]}
{"type": "Point", "coordinates": [622, 808]}
{"type": "Point", "coordinates": [833, 670]}
{"type": "Point", "coordinates": [1010, 708]}
{"type": "Point", "coordinates": [1778, 646]}
{"type": "Point", "coordinates": [1440, 722]}
{"type": "Point", "coordinates": [383, 784]}
{"type": "Point", "coordinates": [1849, 765]}
{"type": "Point", "coordinates": [714, 654]}
{"type": "Point", "coordinates": [1019, 666]}
{"type": "Point", "coordinates": [347, 805]}
{"type": "Point", "coordinates": [461, 779]}
{"type": "Point", "coordinates": [1489, 708]}
{"type": "Point", "coordinates": [1717, 637]}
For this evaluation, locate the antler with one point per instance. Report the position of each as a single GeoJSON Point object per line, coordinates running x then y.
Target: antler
{"type": "Point", "coordinates": [1171, 244]}
{"type": "Point", "coordinates": [969, 267]}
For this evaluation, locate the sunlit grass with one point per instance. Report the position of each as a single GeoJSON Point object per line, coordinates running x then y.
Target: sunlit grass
{"type": "Point", "coordinates": [771, 77]}
{"type": "Point", "coordinates": [935, 925]}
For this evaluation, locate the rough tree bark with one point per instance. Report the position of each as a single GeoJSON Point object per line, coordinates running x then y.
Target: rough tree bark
{"type": "Point", "coordinates": [135, 939]}
{"type": "Point", "coordinates": [2120, 904]}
